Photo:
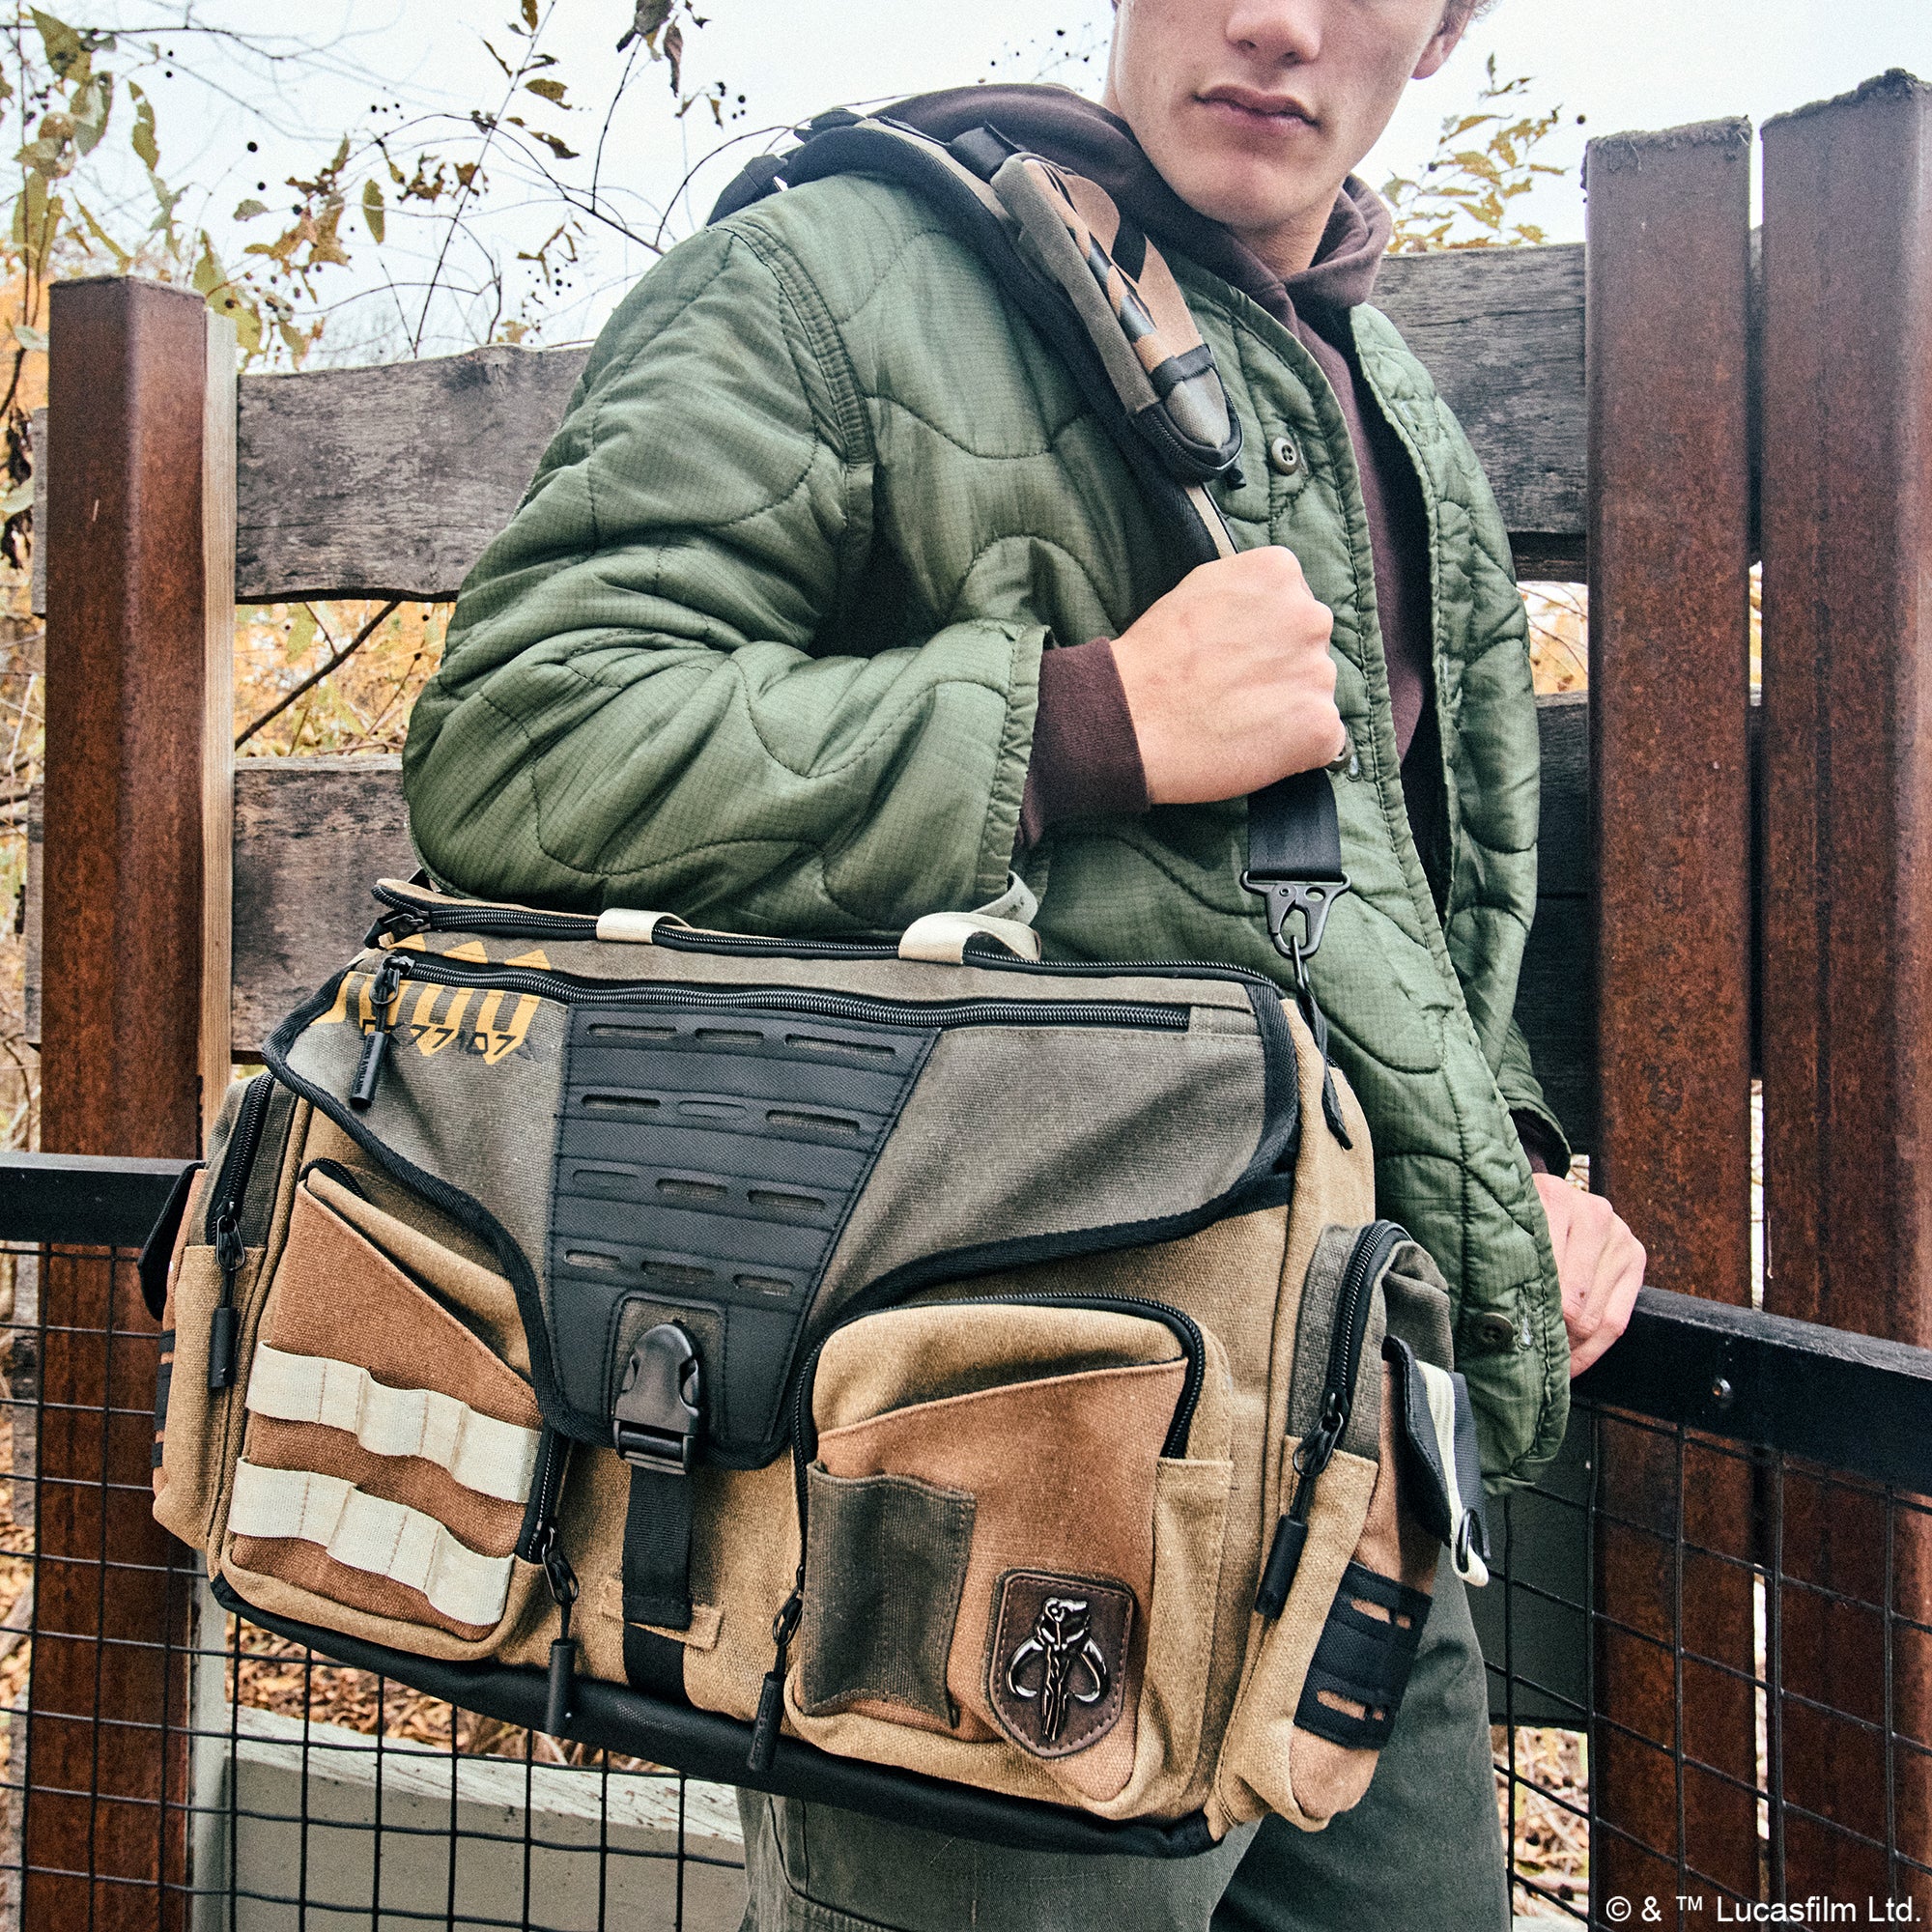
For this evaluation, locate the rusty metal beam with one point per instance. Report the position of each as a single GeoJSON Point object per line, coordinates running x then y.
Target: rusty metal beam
{"type": "Point", "coordinates": [1668, 401]}
{"type": "Point", "coordinates": [1848, 846]}
{"type": "Point", "coordinates": [126, 624]}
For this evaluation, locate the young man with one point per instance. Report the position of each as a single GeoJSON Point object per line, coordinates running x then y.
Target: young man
{"type": "Point", "coordinates": [831, 600]}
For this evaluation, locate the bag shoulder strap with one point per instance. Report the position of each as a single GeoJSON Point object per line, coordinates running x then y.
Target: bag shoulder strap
{"type": "Point", "coordinates": [1104, 296]}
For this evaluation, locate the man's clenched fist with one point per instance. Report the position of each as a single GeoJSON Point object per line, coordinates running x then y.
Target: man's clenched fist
{"type": "Point", "coordinates": [1229, 680]}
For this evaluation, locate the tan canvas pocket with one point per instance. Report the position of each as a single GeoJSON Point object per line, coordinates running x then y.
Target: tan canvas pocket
{"type": "Point", "coordinates": [1370, 1496]}
{"type": "Point", "coordinates": [1010, 1560]}
{"type": "Point", "coordinates": [186, 1449]}
{"type": "Point", "coordinates": [389, 1448]}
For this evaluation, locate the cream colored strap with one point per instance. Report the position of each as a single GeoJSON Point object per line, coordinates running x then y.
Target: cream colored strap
{"type": "Point", "coordinates": [368, 1533]}
{"type": "Point", "coordinates": [496, 1459]}
{"type": "Point", "coordinates": [1439, 1385]}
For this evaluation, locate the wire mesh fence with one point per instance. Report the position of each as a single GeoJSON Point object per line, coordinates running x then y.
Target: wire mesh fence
{"type": "Point", "coordinates": [1711, 1674]}
{"type": "Point", "coordinates": [1735, 1642]}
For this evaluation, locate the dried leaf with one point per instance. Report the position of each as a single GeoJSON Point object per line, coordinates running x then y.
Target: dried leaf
{"type": "Point", "coordinates": [561, 150]}
{"type": "Point", "coordinates": [372, 209]}
{"type": "Point", "coordinates": [649, 16]}
{"type": "Point", "coordinates": [246, 210]}
{"type": "Point", "coordinates": [549, 90]}
{"type": "Point", "coordinates": [530, 14]}
{"type": "Point", "coordinates": [142, 139]}
{"type": "Point", "coordinates": [673, 50]}
{"type": "Point", "coordinates": [30, 338]}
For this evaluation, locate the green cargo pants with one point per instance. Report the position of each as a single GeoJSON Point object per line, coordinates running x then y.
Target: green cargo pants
{"type": "Point", "coordinates": [1421, 1853]}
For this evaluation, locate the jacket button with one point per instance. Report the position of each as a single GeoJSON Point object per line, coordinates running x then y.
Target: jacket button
{"type": "Point", "coordinates": [1495, 1332]}
{"type": "Point", "coordinates": [1284, 456]}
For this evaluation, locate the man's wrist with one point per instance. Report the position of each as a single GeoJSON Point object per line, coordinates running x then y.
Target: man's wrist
{"type": "Point", "coordinates": [1086, 759]}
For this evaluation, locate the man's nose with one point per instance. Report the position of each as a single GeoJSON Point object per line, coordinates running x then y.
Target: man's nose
{"type": "Point", "coordinates": [1285, 32]}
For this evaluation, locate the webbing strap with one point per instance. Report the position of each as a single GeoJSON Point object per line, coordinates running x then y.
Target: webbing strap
{"type": "Point", "coordinates": [657, 1549]}
{"type": "Point", "coordinates": [1105, 322]}
{"type": "Point", "coordinates": [1293, 830]}
{"type": "Point", "coordinates": [370, 1533]}
{"type": "Point", "coordinates": [482, 1453]}
{"type": "Point", "coordinates": [656, 1579]}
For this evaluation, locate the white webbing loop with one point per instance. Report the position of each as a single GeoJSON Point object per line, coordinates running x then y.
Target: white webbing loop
{"type": "Point", "coordinates": [1440, 1388]}
{"type": "Point", "coordinates": [626, 926]}
{"type": "Point", "coordinates": [371, 1534]}
{"type": "Point", "coordinates": [943, 936]}
{"type": "Point", "coordinates": [496, 1458]}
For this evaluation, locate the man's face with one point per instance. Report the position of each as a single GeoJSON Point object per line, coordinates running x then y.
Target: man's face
{"type": "Point", "coordinates": [1255, 111]}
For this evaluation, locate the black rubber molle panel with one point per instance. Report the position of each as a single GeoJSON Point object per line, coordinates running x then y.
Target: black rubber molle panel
{"type": "Point", "coordinates": [709, 1161]}
{"type": "Point", "coordinates": [1360, 1669]}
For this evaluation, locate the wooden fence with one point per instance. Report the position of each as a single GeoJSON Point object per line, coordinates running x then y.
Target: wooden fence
{"type": "Point", "coordinates": [1655, 410]}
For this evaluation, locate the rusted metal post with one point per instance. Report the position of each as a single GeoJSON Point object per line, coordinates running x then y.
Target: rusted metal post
{"type": "Point", "coordinates": [1848, 894]}
{"type": "Point", "coordinates": [1668, 399]}
{"type": "Point", "coordinates": [126, 637]}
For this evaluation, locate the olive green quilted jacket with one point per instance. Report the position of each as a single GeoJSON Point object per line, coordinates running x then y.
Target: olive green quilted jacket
{"type": "Point", "coordinates": [761, 647]}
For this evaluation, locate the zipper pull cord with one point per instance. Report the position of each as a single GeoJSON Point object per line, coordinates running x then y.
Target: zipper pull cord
{"type": "Point", "coordinates": [224, 1322]}
{"type": "Point", "coordinates": [1312, 1455]}
{"type": "Point", "coordinates": [384, 996]}
{"type": "Point", "coordinates": [771, 1696]}
{"type": "Point", "coordinates": [562, 1582]}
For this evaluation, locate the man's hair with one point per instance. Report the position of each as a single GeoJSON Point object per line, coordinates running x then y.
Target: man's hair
{"type": "Point", "coordinates": [1462, 12]}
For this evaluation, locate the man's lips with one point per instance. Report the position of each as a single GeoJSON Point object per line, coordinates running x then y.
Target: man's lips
{"type": "Point", "coordinates": [1249, 106]}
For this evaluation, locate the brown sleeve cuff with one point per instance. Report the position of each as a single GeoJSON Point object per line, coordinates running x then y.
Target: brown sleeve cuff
{"type": "Point", "coordinates": [1086, 759]}
{"type": "Point", "coordinates": [1545, 1150]}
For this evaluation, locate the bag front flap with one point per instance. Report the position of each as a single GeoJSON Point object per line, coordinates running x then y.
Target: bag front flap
{"type": "Point", "coordinates": [745, 1138]}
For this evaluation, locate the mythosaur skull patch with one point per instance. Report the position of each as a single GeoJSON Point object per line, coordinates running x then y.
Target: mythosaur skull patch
{"type": "Point", "coordinates": [1057, 1675]}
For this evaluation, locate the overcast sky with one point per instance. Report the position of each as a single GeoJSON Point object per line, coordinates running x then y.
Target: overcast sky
{"type": "Point", "coordinates": [1621, 64]}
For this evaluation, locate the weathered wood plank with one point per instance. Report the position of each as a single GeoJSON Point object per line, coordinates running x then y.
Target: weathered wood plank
{"type": "Point", "coordinates": [312, 834]}
{"type": "Point", "coordinates": [311, 837]}
{"type": "Point", "coordinates": [390, 480]}
{"type": "Point", "coordinates": [1502, 331]}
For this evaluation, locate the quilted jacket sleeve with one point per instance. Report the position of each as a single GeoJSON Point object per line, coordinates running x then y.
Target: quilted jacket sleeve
{"type": "Point", "coordinates": [644, 699]}
{"type": "Point", "coordinates": [1523, 1092]}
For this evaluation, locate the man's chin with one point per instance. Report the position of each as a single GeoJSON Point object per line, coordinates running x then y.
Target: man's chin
{"type": "Point", "coordinates": [1247, 201]}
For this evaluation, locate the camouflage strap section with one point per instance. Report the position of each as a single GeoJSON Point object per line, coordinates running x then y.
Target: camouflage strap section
{"type": "Point", "coordinates": [1161, 370]}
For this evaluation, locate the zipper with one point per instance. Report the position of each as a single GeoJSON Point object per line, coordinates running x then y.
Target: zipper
{"type": "Point", "coordinates": [804, 1442]}
{"type": "Point", "coordinates": [408, 920]}
{"type": "Point", "coordinates": [569, 989]}
{"type": "Point", "coordinates": [1374, 1248]}
{"type": "Point", "coordinates": [223, 1226]}
{"type": "Point", "coordinates": [539, 1543]}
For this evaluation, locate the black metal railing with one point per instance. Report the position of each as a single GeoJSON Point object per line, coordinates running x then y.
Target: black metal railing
{"type": "Point", "coordinates": [1709, 1658]}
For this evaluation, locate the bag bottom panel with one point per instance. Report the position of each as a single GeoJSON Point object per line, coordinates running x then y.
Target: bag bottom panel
{"type": "Point", "coordinates": [611, 1717]}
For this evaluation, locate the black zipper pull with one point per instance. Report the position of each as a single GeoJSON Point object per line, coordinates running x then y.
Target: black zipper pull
{"type": "Point", "coordinates": [1290, 1533]}
{"type": "Point", "coordinates": [383, 999]}
{"type": "Point", "coordinates": [771, 1696]}
{"type": "Point", "coordinates": [395, 925]}
{"type": "Point", "coordinates": [562, 1582]}
{"type": "Point", "coordinates": [224, 1325]}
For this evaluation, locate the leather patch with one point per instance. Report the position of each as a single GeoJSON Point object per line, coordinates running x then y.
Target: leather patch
{"type": "Point", "coordinates": [1057, 1675]}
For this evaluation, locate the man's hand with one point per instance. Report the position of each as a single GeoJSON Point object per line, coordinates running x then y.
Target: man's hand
{"type": "Point", "coordinates": [1229, 680]}
{"type": "Point", "coordinates": [1600, 1264]}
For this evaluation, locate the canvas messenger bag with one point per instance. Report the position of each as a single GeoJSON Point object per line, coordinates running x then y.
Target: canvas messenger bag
{"type": "Point", "coordinates": [914, 1375]}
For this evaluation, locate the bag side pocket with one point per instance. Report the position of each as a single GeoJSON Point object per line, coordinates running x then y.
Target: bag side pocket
{"type": "Point", "coordinates": [188, 1447]}
{"type": "Point", "coordinates": [388, 1455]}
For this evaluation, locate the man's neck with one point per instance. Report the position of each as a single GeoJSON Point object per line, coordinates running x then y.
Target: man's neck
{"type": "Point", "coordinates": [1289, 248]}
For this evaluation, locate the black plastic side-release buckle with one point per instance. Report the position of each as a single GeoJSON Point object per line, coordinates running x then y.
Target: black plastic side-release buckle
{"type": "Point", "coordinates": [1313, 899]}
{"type": "Point", "coordinates": [659, 1420]}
